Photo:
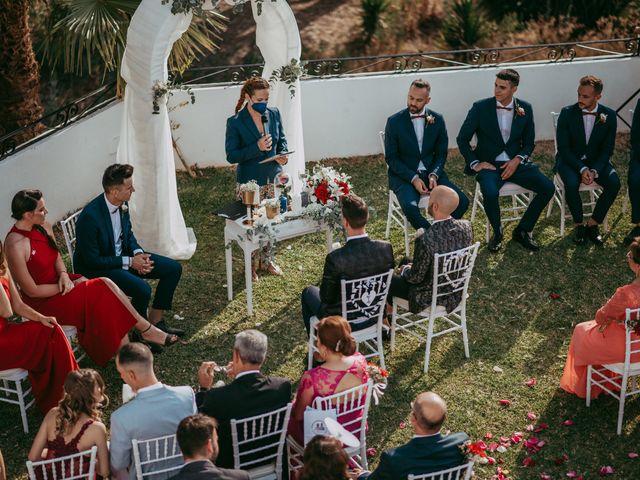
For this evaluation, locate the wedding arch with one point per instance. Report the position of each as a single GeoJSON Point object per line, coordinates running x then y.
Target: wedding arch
{"type": "Point", "coordinates": [145, 139]}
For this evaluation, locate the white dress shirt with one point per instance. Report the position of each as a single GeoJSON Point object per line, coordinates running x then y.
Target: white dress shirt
{"type": "Point", "coordinates": [419, 126]}
{"type": "Point", "coordinates": [505, 119]}
{"type": "Point", "coordinates": [589, 121]}
{"type": "Point", "coordinates": [116, 224]}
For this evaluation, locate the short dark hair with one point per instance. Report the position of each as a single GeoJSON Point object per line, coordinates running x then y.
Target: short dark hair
{"type": "Point", "coordinates": [324, 459]}
{"type": "Point", "coordinates": [510, 75]}
{"type": "Point", "coordinates": [135, 352]}
{"type": "Point", "coordinates": [116, 174]}
{"type": "Point", "coordinates": [355, 210]}
{"type": "Point", "coordinates": [593, 81]}
{"type": "Point", "coordinates": [420, 83]}
{"type": "Point", "coordinates": [194, 432]}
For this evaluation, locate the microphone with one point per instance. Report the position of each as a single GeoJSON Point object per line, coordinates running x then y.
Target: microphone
{"type": "Point", "coordinates": [265, 123]}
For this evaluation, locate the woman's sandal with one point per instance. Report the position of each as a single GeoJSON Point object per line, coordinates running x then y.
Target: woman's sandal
{"type": "Point", "coordinates": [168, 340]}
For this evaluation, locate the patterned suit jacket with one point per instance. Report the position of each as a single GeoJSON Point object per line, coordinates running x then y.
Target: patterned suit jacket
{"type": "Point", "coordinates": [443, 237]}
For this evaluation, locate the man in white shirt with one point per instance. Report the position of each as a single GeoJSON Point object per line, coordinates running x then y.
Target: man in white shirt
{"type": "Point", "coordinates": [428, 451]}
{"type": "Point", "coordinates": [155, 411]}
{"type": "Point", "coordinates": [505, 132]}
{"type": "Point", "coordinates": [586, 137]}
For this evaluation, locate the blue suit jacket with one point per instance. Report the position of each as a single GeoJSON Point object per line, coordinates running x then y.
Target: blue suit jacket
{"type": "Point", "coordinates": [95, 246]}
{"type": "Point", "coordinates": [241, 145]}
{"type": "Point", "coordinates": [635, 135]}
{"type": "Point", "coordinates": [150, 414]}
{"type": "Point", "coordinates": [482, 120]}
{"type": "Point", "coordinates": [420, 455]}
{"type": "Point", "coordinates": [401, 147]}
{"type": "Point", "coordinates": [572, 143]}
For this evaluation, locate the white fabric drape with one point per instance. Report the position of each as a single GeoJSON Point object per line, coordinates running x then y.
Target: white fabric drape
{"type": "Point", "coordinates": [145, 139]}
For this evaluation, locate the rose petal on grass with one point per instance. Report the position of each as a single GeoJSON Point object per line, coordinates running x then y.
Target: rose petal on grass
{"type": "Point", "coordinates": [491, 460]}
{"type": "Point", "coordinates": [632, 455]}
{"type": "Point", "coordinates": [528, 462]}
{"type": "Point", "coordinates": [505, 403]}
{"type": "Point", "coordinates": [532, 382]}
{"type": "Point", "coordinates": [567, 423]}
{"type": "Point", "coordinates": [497, 369]}
{"type": "Point", "coordinates": [531, 416]}
{"type": "Point", "coordinates": [545, 476]}
{"type": "Point", "coordinates": [493, 446]}
{"type": "Point", "coordinates": [572, 474]}
{"type": "Point", "coordinates": [501, 449]}
{"type": "Point", "coordinates": [554, 296]}
{"type": "Point", "coordinates": [606, 470]}
{"type": "Point", "coordinates": [540, 427]}
{"type": "Point", "coordinates": [561, 460]}
{"type": "Point", "coordinates": [488, 435]}
{"type": "Point", "coordinates": [403, 425]}
{"type": "Point", "coordinates": [516, 437]}
{"type": "Point", "coordinates": [371, 452]}
{"type": "Point", "coordinates": [529, 428]}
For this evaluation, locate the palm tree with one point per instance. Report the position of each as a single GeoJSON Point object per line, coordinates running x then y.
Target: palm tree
{"type": "Point", "coordinates": [19, 71]}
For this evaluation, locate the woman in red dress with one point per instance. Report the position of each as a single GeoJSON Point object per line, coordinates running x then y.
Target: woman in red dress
{"type": "Point", "coordinates": [37, 345]}
{"type": "Point", "coordinates": [99, 310]}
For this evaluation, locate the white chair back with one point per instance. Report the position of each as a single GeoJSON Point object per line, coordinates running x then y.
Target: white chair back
{"type": "Point", "coordinates": [68, 226]}
{"type": "Point", "coordinates": [632, 348]}
{"type": "Point", "coordinates": [381, 136]}
{"type": "Point", "coordinates": [365, 298]}
{"type": "Point", "coordinates": [463, 472]}
{"type": "Point", "coordinates": [554, 119]}
{"type": "Point", "coordinates": [452, 274]}
{"type": "Point", "coordinates": [258, 442]}
{"type": "Point", "coordinates": [72, 467]}
{"type": "Point", "coordinates": [157, 458]}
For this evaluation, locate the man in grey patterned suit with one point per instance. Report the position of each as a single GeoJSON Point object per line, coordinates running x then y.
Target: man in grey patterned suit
{"type": "Point", "coordinates": [415, 281]}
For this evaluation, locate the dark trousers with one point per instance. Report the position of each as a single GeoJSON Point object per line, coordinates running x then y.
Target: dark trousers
{"type": "Point", "coordinates": [527, 176]}
{"type": "Point", "coordinates": [134, 285]}
{"type": "Point", "coordinates": [609, 182]}
{"type": "Point", "coordinates": [399, 288]}
{"type": "Point", "coordinates": [312, 307]}
{"type": "Point", "coordinates": [633, 182]}
{"type": "Point", "coordinates": [408, 198]}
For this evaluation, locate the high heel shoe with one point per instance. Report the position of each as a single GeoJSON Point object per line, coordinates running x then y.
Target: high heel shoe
{"type": "Point", "coordinates": [168, 339]}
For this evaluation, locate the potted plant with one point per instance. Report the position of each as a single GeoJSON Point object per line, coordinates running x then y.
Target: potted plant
{"type": "Point", "coordinates": [272, 207]}
{"type": "Point", "coordinates": [250, 192]}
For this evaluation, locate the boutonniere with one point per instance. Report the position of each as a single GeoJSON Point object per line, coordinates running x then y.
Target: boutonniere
{"type": "Point", "coordinates": [519, 111]}
{"type": "Point", "coordinates": [602, 118]}
{"type": "Point", "coordinates": [430, 119]}
{"type": "Point", "coordinates": [124, 208]}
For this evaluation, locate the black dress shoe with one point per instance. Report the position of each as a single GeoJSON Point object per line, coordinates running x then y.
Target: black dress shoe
{"type": "Point", "coordinates": [594, 235]}
{"type": "Point", "coordinates": [580, 235]}
{"type": "Point", "coordinates": [635, 232]}
{"type": "Point", "coordinates": [495, 243]}
{"type": "Point", "coordinates": [525, 239]}
{"type": "Point", "coordinates": [162, 325]}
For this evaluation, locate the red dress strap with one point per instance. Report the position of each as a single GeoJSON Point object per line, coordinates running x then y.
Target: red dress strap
{"type": "Point", "coordinates": [74, 441]}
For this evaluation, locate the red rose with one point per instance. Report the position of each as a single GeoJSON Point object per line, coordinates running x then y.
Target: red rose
{"type": "Point", "coordinates": [322, 192]}
{"type": "Point", "coordinates": [344, 187]}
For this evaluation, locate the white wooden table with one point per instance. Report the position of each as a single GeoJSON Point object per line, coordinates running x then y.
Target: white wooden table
{"type": "Point", "coordinates": [235, 231]}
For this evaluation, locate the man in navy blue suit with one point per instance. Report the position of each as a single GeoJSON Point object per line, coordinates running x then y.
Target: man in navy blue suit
{"type": "Point", "coordinates": [428, 451]}
{"type": "Point", "coordinates": [416, 146]}
{"type": "Point", "coordinates": [107, 247]}
{"type": "Point", "coordinates": [505, 134]}
{"type": "Point", "coordinates": [586, 137]}
{"type": "Point", "coordinates": [634, 176]}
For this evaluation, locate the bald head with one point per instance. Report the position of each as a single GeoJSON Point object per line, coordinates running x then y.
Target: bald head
{"type": "Point", "coordinates": [442, 202]}
{"type": "Point", "coordinates": [430, 412]}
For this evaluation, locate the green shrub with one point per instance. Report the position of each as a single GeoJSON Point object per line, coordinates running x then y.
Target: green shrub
{"type": "Point", "coordinates": [465, 25]}
{"type": "Point", "coordinates": [373, 12]}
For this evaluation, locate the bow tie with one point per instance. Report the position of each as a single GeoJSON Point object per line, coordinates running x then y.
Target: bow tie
{"type": "Point", "coordinates": [499, 107]}
{"type": "Point", "coordinates": [122, 209]}
{"type": "Point", "coordinates": [589, 113]}
{"type": "Point", "coordinates": [414, 117]}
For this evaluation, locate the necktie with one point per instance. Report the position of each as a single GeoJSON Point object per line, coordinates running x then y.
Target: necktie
{"type": "Point", "coordinates": [498, 107]}
{"type": "Point", "coordinates": [589, 113]}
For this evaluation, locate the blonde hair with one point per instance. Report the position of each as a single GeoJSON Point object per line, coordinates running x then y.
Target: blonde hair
{"type": "Point", "coordinates": [249, 87]}
{"type": "Point", "coordinates": [78, 398]}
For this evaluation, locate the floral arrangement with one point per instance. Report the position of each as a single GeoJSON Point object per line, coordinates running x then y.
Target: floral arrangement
{"type": "Point", "coordinates": [634, 323]}
{"type": "Point", "coordinates": [519, 110]}
{"type": "Point", "coordinates": [326, 185]}
{"type": "Point", "coordinates": [602, 118]}
{"type": "Point", "coordinates": [476, 451]}
{"type": "Point", "coordinates": [163, 90]}
{"type": "Point", "coordinates": [272, 203]}
{"type": "Point", "coordinates": [289, 74]}
{"type": "Point", "coordinates": [250, 186]}
{"type": "Point", "coordinates": [185, 6]}
{"type": "Point", "coordinates": [379, 377]}
{"type": "Point", "coordinates": [283, 182]}
{"type": "Point", "coordinates": [430, 119]}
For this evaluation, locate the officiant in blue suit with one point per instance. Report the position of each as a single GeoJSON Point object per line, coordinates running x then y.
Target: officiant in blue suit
{"type": "Point", "coordinates": [416, 146]}
{"type": "Point", "coordinates": [505, 132]}
{"type": "Point", "coordinates": [254, 134]}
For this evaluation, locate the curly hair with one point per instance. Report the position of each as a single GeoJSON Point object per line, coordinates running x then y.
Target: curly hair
{"type": "Point", "coordinates": [78, 398]}
{"type": "Point", "coordinates": [324, 459]}
{"type": "Point", "coordinates": [249, 87]}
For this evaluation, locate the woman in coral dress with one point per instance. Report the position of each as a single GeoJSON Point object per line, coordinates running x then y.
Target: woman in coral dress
{"type": "Point", "coordinates": [37, 345]}
{"type": "Point", "coordinates": [100, 311]}
{"type": "Point", "coordinates": [602, 340]}
{"type": "Point", "coordinates": [343, 368]}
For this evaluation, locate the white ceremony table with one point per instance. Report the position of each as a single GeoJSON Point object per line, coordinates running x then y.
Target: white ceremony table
{"type": "Point", "coordinates": [235, 231]}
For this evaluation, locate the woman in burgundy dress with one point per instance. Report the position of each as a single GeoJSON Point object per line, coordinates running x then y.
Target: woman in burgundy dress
{"type": "Point", "coordinates": [74, 425]}
{"type": "Point", "coordinates": [97, 308]}
{"type": "Point", "coordinates": [37, 345]}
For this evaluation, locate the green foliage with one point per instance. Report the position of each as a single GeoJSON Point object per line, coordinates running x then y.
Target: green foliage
{"type": "Point", "coordinates": [465, 26]}
{"type": "Point", "coordinates": [373, 12]}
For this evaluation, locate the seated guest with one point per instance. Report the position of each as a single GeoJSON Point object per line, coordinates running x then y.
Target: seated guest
{"type": "Point", "coordinates": [586, 137]}
{"type": "Point", "coordinates": [416, 146]}
{"type": "Point", "coordinates": [74, 425]}
{"type": "Point", "coordinates": [445, 235]}
{"type": "Point", "coordinates": [325, 459]}
{"type": "Point", "coordinates": [198, 443]}
{"type": "Point", "coordinates": [38, 345]}
{"type": "Point", "coordinates": [250, 393]}
{"type": "Point", "coordinates": [343, 368]}
{"type": "Point", "coordinates": [503, 125]}
{"type": "Point", "coordinates": [155, 411]}
{"type": "Point", "coordinates": [360, 257]}
{"type": "Point", "coordinates": [107, 247]}
{"type": "Point", "coordinates": [98, 309]}
{"type": "Point", "coordinates": [428, 451]}
{"type": "Point", "coordinates": [254, 134]}
{"type": "Point", "coordinates": [603, 340]}
{"type": "Point", "coordinates": [634, 176]}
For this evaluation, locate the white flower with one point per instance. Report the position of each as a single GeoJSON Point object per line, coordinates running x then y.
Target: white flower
{"type": "Point", "coordinates": [603, 118]}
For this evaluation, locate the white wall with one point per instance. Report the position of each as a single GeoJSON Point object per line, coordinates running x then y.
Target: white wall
{"type": "Point", "coordinates": [341, 118]}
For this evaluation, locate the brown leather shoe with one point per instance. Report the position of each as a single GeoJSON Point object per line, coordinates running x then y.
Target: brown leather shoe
{"type": "Point", "coordinates": [272, 268]}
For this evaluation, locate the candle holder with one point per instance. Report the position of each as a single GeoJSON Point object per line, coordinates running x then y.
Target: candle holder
{"type": "Point", "coordinates": [251, 199]}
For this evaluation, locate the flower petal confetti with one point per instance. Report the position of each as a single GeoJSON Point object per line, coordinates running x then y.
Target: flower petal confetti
{"type": "Point", "coordinates": [505, 402]}
{"type": "Point", "coordinates": [545, 476]}
{"type": "Point", "coordinates": [371, 452]}
{"type": "Point", "coordinates": [528, 462]}
{"type": "Point", "coordinates": [606, 470]}
{"type": "Point", "coordinates": [561, 460]}
{"type": "Point", "coordinates": [567, 423]}
{"type": "Point", "coordinates": [554, 296]}
{"type": "Point", "coordinates": [403, 425]}
{"type": "Point", "coordinates": [531, 416]}
{"type": "Point", "coordinates": [632, 455]}
{"type": "Point", "coordinates": [532, 382]}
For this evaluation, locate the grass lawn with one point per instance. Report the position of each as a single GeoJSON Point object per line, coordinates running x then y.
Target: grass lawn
{"type": "Point", "coordinates": [513, 324]}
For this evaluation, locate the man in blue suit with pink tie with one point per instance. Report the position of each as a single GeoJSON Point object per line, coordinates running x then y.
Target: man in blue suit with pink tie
{"type": "Point", "coordinates": [505, 132]}
{"type": "Point", "coordinates": [416, 146]}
